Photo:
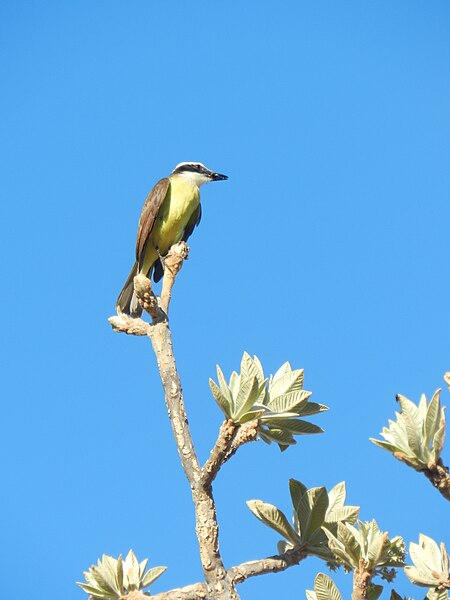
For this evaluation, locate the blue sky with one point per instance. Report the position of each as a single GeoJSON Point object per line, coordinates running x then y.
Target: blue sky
{"type": "Point", "coordinates": [328, 247]}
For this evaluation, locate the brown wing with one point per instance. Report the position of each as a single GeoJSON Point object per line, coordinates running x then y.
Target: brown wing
{"type": "Point", "coordinates": [148, 216]}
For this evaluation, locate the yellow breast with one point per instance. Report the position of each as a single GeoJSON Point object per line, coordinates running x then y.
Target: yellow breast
{"type": "Point", "coordinates": [181, 202]}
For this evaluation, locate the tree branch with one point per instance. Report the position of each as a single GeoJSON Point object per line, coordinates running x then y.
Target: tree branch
{"type": "Point", "coordinates": [218, 454]}
{"type": "Point", "coordinates": [238, 574]}
{"type": "Point", "coordinates": [272, 564]}
{"type": "Point", "coordinates": [197, 591]}
{"type": "Point", "coordinates": [219, 584]}
{"type": "Point", "coordinates": [439, 476]}
{"type": "Point", "coordinates": [361, 581]}
{"type": "Point", "coordinates": [231, 437]}
{"type": "Point", "coordinates": [172, 265]}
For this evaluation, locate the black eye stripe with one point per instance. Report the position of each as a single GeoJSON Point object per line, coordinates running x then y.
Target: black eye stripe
{"type": "Point", "coordinates": [192, 168]}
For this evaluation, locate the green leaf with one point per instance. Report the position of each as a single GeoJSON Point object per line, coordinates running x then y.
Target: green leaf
{"type": "Point", "coordinates": [439, 438]}
{"type": "Point", "coordinates": [95, 592]}
{"type": "Point", "coordinates": [344, 513]}
{"type": "Point", "coordinates": [264, 437]}
{"type": "Point", "coordinates": [295, 426]}
{"type": "Point", "coordinates": [251, 368]}
{"type": "Point", "coordinates": [152, 575]}
{"type": "Point", "coordinates": [289, 382]}
{"type": "Point", "coordinates": [246, 397]}
{"type": "Point", "coordinates": [250, 416]}
{"type": "Point", "coordinates": [325, 588]}
{"type": "Point", "coordinates": [224, 388]}
{"type": "Point", "coordinates": [274, 518]}
{"type": "Point", "coordinates": [259, 367]}
{"type": "Point", "coordinates": [220, 399]}
{"type": "Point", "coordinates": [336, 496]}
{"type": "Point", "coordinates": [290, 402]}
{"type": "Point", "coordinates": [374, 592]}
{"type": "Point", "coordinates": [280, 436]}
{"type": "Point", "coordinates": [312, 408]}
{"type": "Point", "coordinates": [433, 417]}
{"type": "Point", "coordinates": [281, 371]}
{"type": "Point", "coordinates": [311, 511]}
{"type": "Point", "coordinates": [297, 490]}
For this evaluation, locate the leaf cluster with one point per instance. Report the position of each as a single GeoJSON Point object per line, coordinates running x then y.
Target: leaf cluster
{"type": "Point", "coordinates": [314, 513]}
{"type": "Point", "coordinates": [431, 564]}
{"type": "Point", "coordinates": [417, 436]}
{"type": "Point", "coordinates": [276, 402]}
{"type": "Point", "coordinates": [365, 542]}
{"type": "Point", "coordinates": [113, 578]}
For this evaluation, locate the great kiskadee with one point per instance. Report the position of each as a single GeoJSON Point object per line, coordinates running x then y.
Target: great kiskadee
{"type": "Point", "coordinates": [170, 213]}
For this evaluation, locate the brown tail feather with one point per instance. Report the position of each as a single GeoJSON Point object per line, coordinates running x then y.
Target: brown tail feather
{"type": "Point", "coordinates": [127, 302]}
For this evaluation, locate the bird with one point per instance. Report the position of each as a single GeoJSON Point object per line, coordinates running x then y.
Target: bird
{"type": "Point", "coordinates": [170, 213]}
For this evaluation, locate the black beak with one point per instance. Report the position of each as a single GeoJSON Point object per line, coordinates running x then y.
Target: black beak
{"type": "Point", "coordinates": [219, 177]}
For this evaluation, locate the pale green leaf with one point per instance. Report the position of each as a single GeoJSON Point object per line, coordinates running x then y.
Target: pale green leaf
{"type": "Point", "coordinates": [246, 397]}
{"type": "Point", "coordinates": [295, 426]}
{"type": "Point", "coordinates": [250, 368]}
{"type": "Point", "coordinates": [274, 518]}
{"type": "Point", "coordinates": [311, 511]}
{"type": "Point", "coordinates": [152, 575]}
{"type": "Point", "coordinates": [224, 388]}
{"type": "Point", "coordinates": [325, 588]}
{"type": "Point", "coordinates": [336, 496]}
{"type": "Point", "coordinates": [433, 417]}
{"type": "Point", "coordinates": [289, 382]}
{"type": "Point", "coordinates": [345, 513]}
{"type": "Point", "coordinates": [220, 399]}
{"type": "Point", "coordinates": [374, 592]}
{"type": "Point", "coordinates": [281, 371]}
{"type": "Point", "coordinates": [290, 402]}
{"type": "Point", "coordinates": [430, 552]}
{"type": "Point", "coordinates": [297, 490]}
{"type": "Point", "coordinates": [439, 438]}
{"type": "Point", "coordinates": [280, 436]}
{"type": "Point", "coordinates": [311, 408]}
{"type": "Point", "coordinates": [96, 593]}
{"type": "Point", "coordinates": [259, 367]}
{"type": "Point", "coordinates": [250, 416]}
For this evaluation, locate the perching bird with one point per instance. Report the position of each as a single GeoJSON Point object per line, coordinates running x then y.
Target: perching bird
{"type": "Point", "coordinates": [170, 213]}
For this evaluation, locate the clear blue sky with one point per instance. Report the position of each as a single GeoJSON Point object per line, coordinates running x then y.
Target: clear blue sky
{"type": "Point", "coordinates": [328, 246]}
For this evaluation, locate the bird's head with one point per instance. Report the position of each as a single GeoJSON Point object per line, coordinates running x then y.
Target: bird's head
{"type": "Point", "coordinates": [197, 173]}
